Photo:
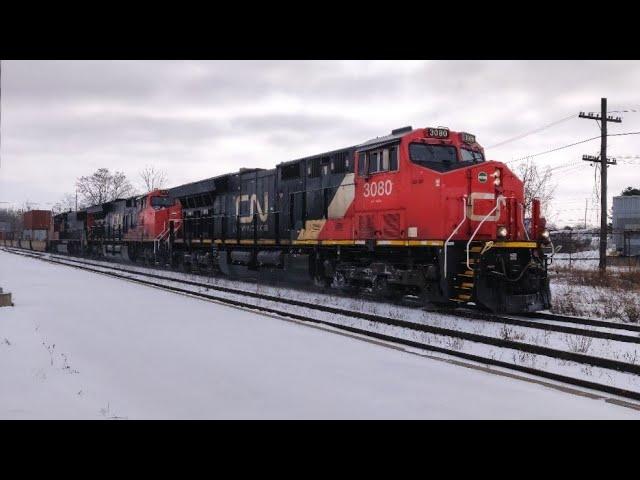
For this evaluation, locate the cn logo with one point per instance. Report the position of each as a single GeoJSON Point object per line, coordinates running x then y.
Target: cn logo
{"type": "Point", "coordinates": [500, 201]}
{"type": "Point", "coordinates": [378, 189]}
{"type": "Point", "coordinates": [253, 206]}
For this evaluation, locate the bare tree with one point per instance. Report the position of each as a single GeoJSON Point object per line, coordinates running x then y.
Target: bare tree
{"type": "Point", "coordinates": [12, 218]}
{"type": "Point", "coordinates": [537, 184]}
{"type": "Point", "coordinates": [153, 178]}
{"type": "Point", "coordinates": [104, 186]}
{"type": "Point", "coordinates": [67, 203]}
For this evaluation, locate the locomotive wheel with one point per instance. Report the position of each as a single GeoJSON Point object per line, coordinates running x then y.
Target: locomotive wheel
{"type": "Point", "coordinates": [380, 286]}
{"type": "Point", "coordinates": [321, 281]}
{"type": "Point", "coordinates": [339, 281]}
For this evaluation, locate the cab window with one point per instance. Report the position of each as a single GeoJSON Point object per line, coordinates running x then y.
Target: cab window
{"type": "Point", "coordinates": [374, 162]}
{"type": "Point", "coordinates": [471, 156]}
{"type": "Point", "coordinates": [435, 157]}
{"type": "Point", "coordinates": [383, 160]}
{"type": "Point", "coordinates": [362, 164]}
{"type": "Point", "coordinates": [161, 202]}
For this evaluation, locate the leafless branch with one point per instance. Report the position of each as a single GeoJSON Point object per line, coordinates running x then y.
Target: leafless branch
{"type": "Point", "coordinates": [152, 178]}
{"type": "Point", "coordinates": [103, 186]}
{"type": "Point", "coordinates": [537, 184]}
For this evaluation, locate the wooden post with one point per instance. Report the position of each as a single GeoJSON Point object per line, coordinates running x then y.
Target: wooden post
{"type": "Point", "coordinates": [5, 299]}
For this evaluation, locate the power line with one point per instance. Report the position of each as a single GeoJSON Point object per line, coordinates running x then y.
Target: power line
{"type": "Point", "coordinates": [569, 145]}
{"type": "Point", "coordinates": [630, 110]}
{"type": "Point", "coordinates": [569, 171]}
{"type": "Point", "coordinates": [559, 167]}
{"type": "Point", "coordinates": [526, 134]}
{"type": "Point", "coordinates": [552, 150]}
{"type": "Point", "coordinates": [549, 125]}
{"type": "Point", "coordinates": [621, 134]}
{"type": "Point", "coordinates": [626, 157]}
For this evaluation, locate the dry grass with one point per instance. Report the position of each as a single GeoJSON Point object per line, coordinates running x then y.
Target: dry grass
{"type": "Point", "coordinates": [614, 296]}
{"type": "Point", "coordinates": [632, 312]}
{"type": "Point", "coordinates": [619, 280]}
{"type": "Point", "coordinates": [508, 333]}
{"type": "Point", "coordinates": [578, 343]}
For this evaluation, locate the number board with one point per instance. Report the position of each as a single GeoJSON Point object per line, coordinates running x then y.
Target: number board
{"type": "Point", "coordinates": [468, 138]}
{"type": "Point", "coordinates": [438, 132]}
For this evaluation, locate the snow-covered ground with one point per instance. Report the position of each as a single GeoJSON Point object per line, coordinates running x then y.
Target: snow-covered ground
{"type": "Point", "coordinates": [81, 345]}
{"type": "Point", "coordinates": [575, 290]}
{"type": "Point", "coordinates": [622, 351]}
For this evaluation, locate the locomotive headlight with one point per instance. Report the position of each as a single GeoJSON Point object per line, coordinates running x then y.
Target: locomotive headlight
{"type": "Point", "coordinates": [502, 232]}
{"type": "Point", "coordinates": [545, 237]}
{"type": "Point", "coordinates": [497, 180]}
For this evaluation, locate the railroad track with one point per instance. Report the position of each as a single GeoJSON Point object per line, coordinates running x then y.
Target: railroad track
{"type": "Point", "coordinates": [303, 312]}
{"type": "Point", "coordinates": [554, 323]}
{"type": "Point", "coordinates": [541, 321]}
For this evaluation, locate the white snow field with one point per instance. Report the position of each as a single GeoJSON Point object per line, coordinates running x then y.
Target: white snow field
{"type": "Point", "coordinates": [81, 345]}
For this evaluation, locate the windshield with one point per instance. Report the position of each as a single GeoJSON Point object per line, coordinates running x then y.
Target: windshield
{"type": "Point", "coordinates": [471, 156]}
{"type": "Point", "coordinates": [435, 157]}
{"type": "Point", "coordinates": [161, 202]}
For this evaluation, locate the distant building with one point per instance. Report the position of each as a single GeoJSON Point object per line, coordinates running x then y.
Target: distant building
{"type": "Point", "coordinates": [626, 224]}
{"type": "Point", "coordinates": [5, 231]}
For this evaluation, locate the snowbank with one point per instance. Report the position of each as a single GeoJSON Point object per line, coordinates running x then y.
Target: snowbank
{"type": "Point", "coordinates": [80, 345]}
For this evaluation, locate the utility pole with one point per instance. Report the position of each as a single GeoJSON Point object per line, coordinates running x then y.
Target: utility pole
{"type": "Point", "coordinates": [604, 163]}
{"type": "Point", "coordinates": [585, 213]}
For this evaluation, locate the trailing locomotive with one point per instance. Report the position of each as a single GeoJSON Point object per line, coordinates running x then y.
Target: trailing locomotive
{"type": "Point", "coordinates": [418, 212]}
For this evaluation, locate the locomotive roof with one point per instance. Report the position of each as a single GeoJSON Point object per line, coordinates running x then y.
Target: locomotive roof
{"type": "Point", "coordinates": [209, 184]}
{"type": "Point", "coordinates": [195, 188]}
{"type": "Point", "coordinates": [99, 207]}
{"type": "Point", "coordinates": [324, 154]}
{"type": "Point", "coordinates": [381, 140]}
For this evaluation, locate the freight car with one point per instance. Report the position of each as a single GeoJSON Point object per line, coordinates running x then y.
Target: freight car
{"type": "Point", "coordinates": [419, 212]}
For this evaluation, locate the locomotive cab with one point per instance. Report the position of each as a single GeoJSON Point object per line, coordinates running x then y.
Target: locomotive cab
{"type": "Point", "coordinates": [433, 189]}
{"type": "Point", "coordinates": [158, 214]}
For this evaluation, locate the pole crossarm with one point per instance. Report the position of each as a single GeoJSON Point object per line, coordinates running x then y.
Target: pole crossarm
{"type": "Point", "coordinates": [597, 116]}
{"type": "Point", "coordinates": [596, 159]}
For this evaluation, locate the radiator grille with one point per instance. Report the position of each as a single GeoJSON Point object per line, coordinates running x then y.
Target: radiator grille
{"type": "Point", "coordinates": [366, 226]}
{"type": "Point", "coordinates": [391, 225]}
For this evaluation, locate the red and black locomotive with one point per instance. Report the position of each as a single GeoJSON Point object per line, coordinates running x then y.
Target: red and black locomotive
{"type": "Point", "coordinates": [419, 212]}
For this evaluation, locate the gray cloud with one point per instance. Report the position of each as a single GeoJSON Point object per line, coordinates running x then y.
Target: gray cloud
{"type": "Point", "coordinates": [196, 119]}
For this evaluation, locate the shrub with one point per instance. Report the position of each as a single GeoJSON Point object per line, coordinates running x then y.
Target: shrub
{"type": "Point", "coordinates": [632, 312]}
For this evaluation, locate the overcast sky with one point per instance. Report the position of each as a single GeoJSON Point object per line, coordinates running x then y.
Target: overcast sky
{"type": "Point", "coordinates": [197, 119]}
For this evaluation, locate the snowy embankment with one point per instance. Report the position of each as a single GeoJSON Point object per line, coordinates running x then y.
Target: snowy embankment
{"type": "Point", "coordinates": [81, 345]}
{"type": "Point", "coordinates": [608, 349]}
{"type": "Point", "coordinates": [578, 289]}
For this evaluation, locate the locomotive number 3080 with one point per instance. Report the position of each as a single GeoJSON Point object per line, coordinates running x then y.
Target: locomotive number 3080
{"type": "Point", "coordinates": [378, 189]}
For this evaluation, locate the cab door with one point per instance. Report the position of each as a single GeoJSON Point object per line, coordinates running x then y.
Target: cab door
{"type": "Point", "coordinates": [379, 208]}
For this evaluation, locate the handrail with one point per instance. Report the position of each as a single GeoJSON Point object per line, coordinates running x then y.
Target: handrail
{"type": "Point", "coordinates": [464, 217]}
{"type": "Point", "coordinates": [165, 233]}
{"type": "Point", "coordinates": [522, 221]}
{"type": "Point", "coordinates": [479, 225]}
